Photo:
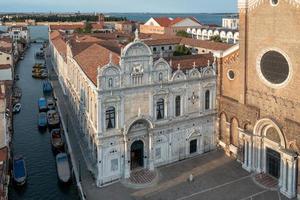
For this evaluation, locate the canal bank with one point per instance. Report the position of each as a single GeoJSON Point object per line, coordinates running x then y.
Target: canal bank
{"type": "Point", "coordinates": [42, 182]}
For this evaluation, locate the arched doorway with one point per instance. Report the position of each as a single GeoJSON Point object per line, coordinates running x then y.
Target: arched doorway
{"type": "Point", "coordinates": [137, 155]}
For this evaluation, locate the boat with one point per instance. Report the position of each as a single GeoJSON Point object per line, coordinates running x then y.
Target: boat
{"type": "Point", "coordinates": [17, 92]}
{"type": "Point", "coordinates": [17, 108]}
{"type": "Point", "coordinates": [17, 77]}
{"type": "Point", "coordinates": [47, 87]}
{"type": "Point", "coordinates": [22, 58]}
{"type": "Point", "coordinates": [42, 103]}
{"type": "Point", "coordinates": [42, 121]}
{"type": "Point", "coordinates": [53, 119]}
{"type": "Point", "coordinates": [51, 104]}
{"type": "Point", "coordinates": [19, 170]}
{"type": "Point", "coordinates": [57, 140]}
{"type": "Point", "coordinates": [39, 66]}
{"type": "Point", "coordinates": [63, 168]}
{"type": "Point", "coordinates": [38, 70]}
{"type": "Point", "coordinates": [40, 55]}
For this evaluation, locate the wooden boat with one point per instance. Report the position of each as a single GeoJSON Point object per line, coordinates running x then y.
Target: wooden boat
{"type": "Point", "coordinates": [40, 75]}
{"type": "Point", "coordinates": [57, 140]}
{"type": "Point", "coordinates": [47, 87]}
{"type": "Point", "coordinates": [19, 170]}
{"type": "Point", "coordinates": [42, 122]}
{"type": "Point", "coordinates": [63, 168]}
{"type": "Point", "coordinates": [42, 103]}
{"type": "Point", "coordinates": [53, 119]}
{"type": "Point", "coordinates": [17, 108]}
{"type": "Point", "coordinates": [51, 104]}
{"type": "Point", "coordinates": [39, 66]}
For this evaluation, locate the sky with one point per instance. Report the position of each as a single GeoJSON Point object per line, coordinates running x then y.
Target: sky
{"type": "Point", "coordinates": [124, 6]}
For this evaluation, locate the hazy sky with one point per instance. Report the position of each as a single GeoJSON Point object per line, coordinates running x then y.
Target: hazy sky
{"type": "Point", "coordinates": [183, 6]}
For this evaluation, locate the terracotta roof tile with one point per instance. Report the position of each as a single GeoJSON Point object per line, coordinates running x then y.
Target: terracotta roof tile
{"type": "Point", "coordinates": [163, 21]}
{"type": "Point", "coordinates": [93, 57]}
{"type": "Point", "coordinates": [66, 27]}
{"type": "Point", "coordinates": [187, 62]}
{"type": "Point", "coordinates": [162, 41]}
{"type": "Point", "coordinates": [6, 66]}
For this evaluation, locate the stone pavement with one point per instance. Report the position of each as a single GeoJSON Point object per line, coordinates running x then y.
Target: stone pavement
{"type": "Point", "coordinates": [215, 175]}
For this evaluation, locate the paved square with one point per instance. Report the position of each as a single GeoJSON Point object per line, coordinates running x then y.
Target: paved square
{"type": "Point", "coordinates": [215, 177]}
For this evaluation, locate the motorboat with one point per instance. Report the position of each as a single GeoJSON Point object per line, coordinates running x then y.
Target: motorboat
{"type": "Point", "coordinates": [47, 87]}
{"type": "Point", "coordinates": [53, 119]}
{"type": "Point", "coordinates": [42, 121]}
{"type": "Point", "coordinates": [63, 167]}
{"type": "Point", "coordinates": [42, 103]}
{"type": "Point", "coordinates": [57, 140]}
{"type": "Point", "coordinates": [17, 108]}
{"type": "Point", "coordinates": [19, 170]}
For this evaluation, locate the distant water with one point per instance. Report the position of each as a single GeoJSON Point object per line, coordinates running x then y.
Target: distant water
{"type": "Point", "coordinates": [205, 18]}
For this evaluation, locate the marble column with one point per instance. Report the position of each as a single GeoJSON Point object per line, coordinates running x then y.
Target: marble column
{"type": "Point", "coordinates": [126, 159]}
{"type": "Point", "coordinates": [151, 156]}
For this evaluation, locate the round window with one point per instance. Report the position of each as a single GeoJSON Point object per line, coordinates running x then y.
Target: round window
{"type": "Point", "coordinates": [231, 74]}
{"type": "Point", "coordinates": [274, 67]}
{"type": "Point", "coordinates": [274, 2]}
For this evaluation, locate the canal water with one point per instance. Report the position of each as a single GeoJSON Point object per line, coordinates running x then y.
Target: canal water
{"type": "Point", "coordinates": [42, 182]}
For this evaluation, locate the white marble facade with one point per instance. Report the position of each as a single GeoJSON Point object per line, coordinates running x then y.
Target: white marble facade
{"type": "Point", "coordinates": [131, 131]}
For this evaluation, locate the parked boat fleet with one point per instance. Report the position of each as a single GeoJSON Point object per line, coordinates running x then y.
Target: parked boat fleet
{"type": "Point", "coordinates": [48, 118]}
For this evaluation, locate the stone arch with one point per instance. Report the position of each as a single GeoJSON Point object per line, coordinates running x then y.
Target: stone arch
{"type": "Point", "coordinates": [199, 32]}
{"type": "Point", "coordinates": [223, 127]}
{"type": "Point", "coordinates": [130, 49]}
{"type": "Point", "coordinates": [234, 132]}
{"type": "Point", "coordinates": [133, 121]}
{"type": "Point", "coordinates": [262, 127]}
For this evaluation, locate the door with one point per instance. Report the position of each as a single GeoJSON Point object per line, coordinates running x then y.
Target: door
{"type": "Point", "coordinates": [193, 146]}
{"type": "Point", "coordinates": [137, 155]}
{"type": "Point", "coordinates": [273, 163]}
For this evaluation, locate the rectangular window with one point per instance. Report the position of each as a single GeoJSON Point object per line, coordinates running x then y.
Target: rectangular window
{"type": "Point", "coordinates": [177, 106]}
{"type": "Point", "coordinates": [160, 109]}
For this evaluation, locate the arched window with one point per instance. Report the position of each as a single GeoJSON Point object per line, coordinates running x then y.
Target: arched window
{"type": "Point", "coordinates": [110, 82]}
{"type": "Point", "coordinates": [110, 118]}
{"type": "Point", "coordinates": [177, 106]}
{"type": "Point", "coordinates": [160, 109]}
{"type": "Point", "coordinates": [207, 100]}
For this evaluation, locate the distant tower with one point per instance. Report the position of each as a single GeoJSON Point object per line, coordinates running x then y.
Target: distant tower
{"type": "Point", "coordinates": [101, 19]}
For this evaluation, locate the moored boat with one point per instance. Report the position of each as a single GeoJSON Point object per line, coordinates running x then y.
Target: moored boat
{"type": "Point", "coordinates": [17, 108]}
{"type": "Point", "coordinates": [53, 119]}
{"type": "Point", "coordinates": [51, 104]}
{"type": "Point", "coordinates": [42, 121]}
{"type": "Point", "coordinates": [63, 168]}
{"type": "Point", "coordinates": [42, 103]}
{"type": "Point", "coordinates": [57, 140]}
{"type": "Point", "coordinates": [47, 87]}
{"type": "Point", "coordinates": [19, 170]}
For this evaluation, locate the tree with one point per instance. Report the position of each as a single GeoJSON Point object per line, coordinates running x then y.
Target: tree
{"type": "Point", "coordinates": [216, 38]}
{"type": "Point", "coordinates": [182, 50]}
{"type": "Point", "coordinates": [182, 34]}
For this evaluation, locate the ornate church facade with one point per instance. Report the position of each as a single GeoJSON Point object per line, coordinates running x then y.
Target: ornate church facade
{"type": "Point", "coordinates": [151, 114]}
{"type": "Point", "coordinates": [258, 92]}
{"type": "Point", "coordinates": [136, 111]}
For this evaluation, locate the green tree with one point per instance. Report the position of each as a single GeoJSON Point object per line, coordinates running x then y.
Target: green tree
{"type": "Point", "coordinates": [182, 50]}
{"type": "Point", "coordinates": [216, 38]}
{"type": "Point", "coordinates": [182, 34]}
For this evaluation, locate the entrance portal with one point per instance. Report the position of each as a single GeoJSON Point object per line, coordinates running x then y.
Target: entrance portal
{"type": "Point", "coordinates": [273, 163]}
{"type": "Point", "coordinates": [137, 155]}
